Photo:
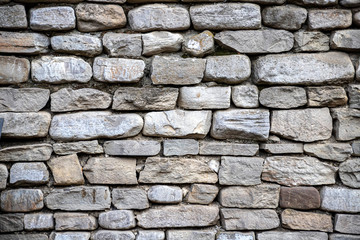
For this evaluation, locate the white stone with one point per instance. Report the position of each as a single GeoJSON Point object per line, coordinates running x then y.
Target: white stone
{"type": "Point", "coordinates": [161, 41]}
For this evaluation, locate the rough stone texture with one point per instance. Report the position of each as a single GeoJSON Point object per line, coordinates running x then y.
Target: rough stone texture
{"type": "Point", "coordinates": [299, 198]}
{"type": "Point", "coordinates": [350, 3]}
{"type": "Point", "coordinates": [159, 17]}
{"type": "Point", "coordinates": [297, 220]}
{"type": "Point", "coordinates": [103, 170]}
{"type": "Point", "coordinates": [315, 3]}
{"type": "Point", "coordinates": [179, 216]}
{"type": "Point", "coordinates": [327, 96]}
{"type": "Point", "coordinates": [165, 194]}
{"type": "Point", "coordinates": [241, 124]}
{"type": "Point", "coordinates": [90, 125]}
{"type": "Point", "coordinates": [346, 223]}
{"type": "Point", "coordinates": [94, 17]}
{"type": "Point", "coordinates": [354, 95]}
{"type": "Point", "coordinates": [311, 41]}
{"type": "Point", "coordinates": [176, 70]}
{"type": "Point", "coordinates": [21, 200]}
{"type": "Point", "coordinates": [122, 44]}
{"type": "Point", "coordinates": [347, 123]}
{"type": "Point", "coordinates": [78, 44]}
{"type": "Point", "coordinates": [66, 170]}
{"type": "Point", "coordinates": [283, 97]}
{"type": "Point", "coordinates": [329, 151]}
{"type": "Point", "coordinates": [26, 153]}
{"type": "Point", "coordinates": [130, 198]}
{"type": "Point", "coordinates": [328, 19]}
{"type": "Point", "coordinates": [240, 170]}
{"type": "Point", "coordinates": [228, 149]}
{"type": "Point", "coordinates": [24, 237]}
{"type": "Point", "coordinates": [103, 234]}
{"type": "Point", "coordinates": [245, 96]}
{"type": "Point", "coordinates": [39, 222]}
{"type": "Point", "coordinates": [356, 18]}
{"type": "Point", "coordinates": [288, 17]}
{"type": "Point", "coordinates": [150, 235]}
{"type": "Point", "coordinates": [70, 235]}
{"type": "Point", "coordinates": [13, 17]}
{"type": "Point", "coordinates": [13, 70]}
{"type": "Point", "coordinates": [176, 170]}
{"type": "Point", "coordinates": [293, 171]}
{"type": "Point", "coordinates": [346, 40]}
{"type": "Point", "coordinates": [55, 70]}
{"type": "Point", "coordinates": [335, 199]}
{"type": "Point", "coordinates": [200, 44]}
{"type": "Point", "coordinates": [260, 196]}
{"type": "Point", "coordinates": [118, 219]}
{"type": "Point", "coordinates": [23, 100]}
{"type": "Point", "coordinates": [343, 237]}
{"type": "Point", "coordinates": [349, 173]}
{"type": "Point", "coordinates": [11, 222]}
{"type": "Point", "coordinates": [283, 148]}
{"type": "Point", "coordinates": [236, 236]}
{"type": "Point", "coordinates": [132, 148]}
{"type": "Point", "coordinates": [3, 176]}
{"type": "Point", "coordinates": [82, 198]}
{"type": "Point", "coordinates": [161, 41]}
{"type": "Point", "coordinates": [74, 221]}
{"type": "Point", "coordinates": [29, 174]}
{"type": "Point", "coordinates": [66, 100]}
{"type": "Point", "coordinates": [355, 146]}
{"type": "Point", "coordinates": [190, 234]}
{"type": "Point", "coordinates": [23, 43]}
{"type": "Point", "coordinates": [87, 147]}
{"type": "Point", "coordinates": [52, 18]}
{"type": "Point", "coordinates": [244, 219]}
{"type": "Point", "coordinates": [299, 235]}
{"type": "Point", "coordinates": [202, 194]}
{"type": "Point", "coordinates": [180, 147]}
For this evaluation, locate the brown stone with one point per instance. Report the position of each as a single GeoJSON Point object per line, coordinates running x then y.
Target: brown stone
{"type": "Point", "coordinates": [306, 221]}
{"type": "Point", "coordinates": [66, 170]}
{"type": "Point", "coordinates": [22, 200]}
{"type": "Point", "coordinates": [13, 70]}
{"type": "Point", "coordinates": [299, 197]}
{"type": "Point", "coordinates": [24, 43]}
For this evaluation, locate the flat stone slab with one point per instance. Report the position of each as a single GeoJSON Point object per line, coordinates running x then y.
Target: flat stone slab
{"type": "Point", "coordinates": [13, 70]}
{"type": "Point", "coordinates": [165, 194]}
{"type": "Point", "coordinates": [180, 147]}
{"type": "Point", "coordinates": [327, 96]}
{"type": "Point", "coordinates": [26, 153]}
{"type": "Point", "coordinates": [299, 198]}
{"type": "Point", "coordinates": [117, 219]}
{"type": "Point", "coordinates": [329, 19]}
{"type": "Point", "coordinates": [282, 148]}
{"type": "Point", "coordinates": [70, 235]}
{"type": "Point", "coordinates": [23, 43]}
{"type": "Point", "coordinates": [150, 234]}
{"type": "Point", "coordinates": [78, 44]}
{"type": "Point", "coordinates": [13, 17]}
{"type": "Point", "coordinates": [22, 200]}
{"type": "Point", "coordinates": [132, 148]}
{"type": "Point", "coordinates": [24, 237]}
{"type": "Point", "coordinates": [74, 221]}
{"type": "Point", "coordinates": [122, 44]}
{"type": "Point", "coordinates": [283, 97]}
{"type": "Point", "coordinates": [311, 41]}
{"type": "Point", "coordinates": [3, 176]}
{"type": "Point", "coordinates": [52, 18]}
{"type": "Point", "coordinates": [39, 222]}
{"type": "Point", "coordinates": [202, 193]}
{"type": "Point", "coordinates": [336, 199]}
{"type": "Point", "coordinates": [11, 222]}
{"type": "Point", "coordinates": [236, 236]}
{"type": "Point", "coordinates": [298, 235]}
{"type": "Point", "coordinates": [190, 234]}
{"type": "Point", "coordinates": [23, 99]}
{"type": "Point", "coordinates": [130, 198]}
{"type": "Point", "coordinates": [347, 123]}
{"type": "Point", "coordinates": [346, 223]}
{"type": "Point", "coordinates": [330, 151]}
{"type": "Point", "coordinates": [161, 41]}
{"type": "Point", "coordinates": [288, 17]}
{"type": "Point", "coordinates": [105, 234]}
{"type": "Point", "coordinates": [297, 220]}
{"type": "Point", "coordinates": [349, 171]}
{"type": "Point", "coordinates": [87, 147]}
{"type": "Point", "coordinates": [228, 149]}
{"type": "Point", "coordinates": [345, 40]}
{"type": "Point", "coordinates": [29, 174]}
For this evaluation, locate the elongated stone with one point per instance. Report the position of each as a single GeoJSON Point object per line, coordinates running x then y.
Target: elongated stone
{"type": "Point", "coordinates": [117, 219]}
{"type": "Point", "coordinates": [132, 148]}
{"type": "Point", "coordinates": [347, 123]}
{"type": "Point", "coordinates": [283, 97]}
{"type": "Point", "coordinates": [346, 40]}
{"type": "Point", "coordinates": [104, 234]}
{"type": "Point", "coordinates": [130, 198]}
{"type": "Point", "coordinates": [122, 44]}
{"type": "Point", "coordinates": [297, 220]}
{"type": "Point", "coordinates": [288, 17]}
{"type": "Point", "coordinates": [78, 44]}
{"type": "Point", "coordinates": [21, 200]}
{"type": "Point", "coordinates": [90, 125]}
{"type": "Point", "coordinates": [29, 174]}
{"type": "Point", "coordinates": [298, 235]}
{"type": "Point", "coordinates": [161, 41]}
{"type": "Point", "coordinates": [346, 223]}
{"type": "Point", "coordinates": [3, 176]}
{"type": "Point", "coordinates": [328, 96]}
{"type": "Point", "coordinates": [13, 17]}
{"type": "Point", "coordinates": [26, 153]}
{"type": "Point", "coordinates": [87, 147]}
{"type": "Point", "coordinates": [66, 170]}
{"type": "Point", "coordinates": [190, 234]}
{"type": "Point", "coordinates": [74, 221]}
{"type": "Point", "coordinates": [354, 95]}
{"type": "Point", "coordinates": [350, 3]}
{"type": "Point", "coordinates": [202, 193]}
{"type": "Point", "coordinates": [299, 198]}
{"type": "Point", "coordinates": [328, 19]}
{"type": "Point", "coordinates": [13, 70]}
{"type": "Point", "coordinates": [236, 236]}
{"type": "Point", "coordinates": [180, 147]}
{"type": "Point", "coordinates": [349, 172]}
{"type": "Point", "coordinates": [311, 41]}
{"type": "Point", "coordinates": [23, 99]}
{"type": "Point", "coordinates": [39, 222]}
{"type": "Point", "coordinates": [70, 235]}
{"type": "Point", "coordinates": [245, 96]}
{"type": "Point", "coordinates": [52, 18]}
{"type": "Point", "coordinates": [228, 149]}
{"type": "Point", "coordinates": [330, 151]}
{"type": "Point", "coordinates": [283, 148]}
{"type": "Point", "coordinates": [30, 236]}
{"type": "Point", "coordinates": [335, 199]}
{"type": "Point", "coordinates": [165, 194]}
{"type": "Point", "coordinates": [23, 43]}
{"type": "Point", "coordinates": [355, 145]}
{"type": "Point", "coordinates": [150, 234]}
{"type": "Point", "coordinates": [315, 3]}
{"type": "Point", "coordinates": [11, 222]}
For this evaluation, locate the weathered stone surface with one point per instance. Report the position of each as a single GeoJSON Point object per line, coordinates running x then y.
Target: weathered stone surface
{"type": "Point", "coordinates": [165, 194]}
{"type": "Point", "coordinates": [180, 147]}
{"type": "Point", "coordinates": [311, 41]}
{"type": "Point", "coordinates": [66, 170]}
{"type": "Point", "coordinates": [245, 96]}
{"type": "Point", "coordinates": [179, 216]}
{"type": "Point", "coordinates": [297, 220]}
{"type": "Point", "coordinates": [13, 70]}
{"type": "Point", "coordinates": [298, 235]}
{"type": "Point", "coordinates": [241, 123]}
{"type": "Point", "coordinates": [117, 219]}
{"type": "Point", "coordinates": [288, 17]}
{"type": "Point", "coordinates": [299, 198]}
{"type": "Point", "coordinates": [232, 149]}
{"type": "Point", "coordinates": [356, 18]}
{"type": "Point", "coordinates": [123, 44]}
{"type": "Point", "coordinates": [303, 69]}
{"type": "Point", "coordinates": [159, 17]}
{"type": "Point", "coordinates": [204, 97]}
{"type": "Point", "coordinates": [74, 221]}
{"type": "Point", "coordinates": [240, 170]}
{"type": "Point", "coordinates": [346, 40]}
{"type": "Point", "coordinates": [21, 200]}
{"type": "Point", "coordinates": [130, 198]}
{"type": "Point", "coordinates": [350, 3]}
{"type": "Point", "coordinates": [282, 148]}
{"type": "Point", "coordinates": [78, 44]}
{"type": "Point", "coordinates": [96, 17]}
{"type": "Point", "coordinates": [118, 70]}
{"type": "Point", "coordinates": [329, 151]}
{"type": "Point", "coordinates": [3, 176]}
{"type": "Point", "coordinates": [150, 235]}
{"type": "Point", "coordinates": [132, 148]}
{"type": "Point", "coordinates": [29, 174]}
{"type": "Point", "coordinates": [335, 199]}
{"type": "Point", "coordinates": [108, 1]}
{"type": "Point", "coordinates": [103, 234]}
{"type": "Point", "coordinates": [177, 123]}
{"type": "Point", "coordinates": [103, 170]}
{"type": "Point", "coordinates": [25, 125]}
{"type": "Point", "coordinates": [55, 70]}
{"type": "Point", "coordinates": [200, 44]}
{"type": "Point", "coordinates": [349, 172]}
{"type": "Point", "coordinates": [26, 153]}
{"type": "Point", "coordinates": [256, 41]}
{"type": "Point", "coordinates": [52, 18]}
{"type": "Point", "coordinates": [23, 43]}
{"type": "Point", "coordinates": [190, 234]}
{"type": "Point", "coordinates": [283, 97]}
{"type": "Point", "coordinates": [236, 236]}
{"type": "Point", "coordinates": [11, 222]}
{"type": "Point", "coordinates": [202, 194]}
{"type": "Point", "coordinates": [13, 17]}
{"type": "Point", "coordinates": [244, 219]}
{"type": "Point", "coordinates": [23, 99]}
{"type": "Point", "coordinates": [70, 235]}
{"type": "Point", "coordinates": [24, 237]}
{"type": "Point", "coordinates": [306, 125]}
{"type": "Point", "coordinates": [355, 145]}
{"type": "Point", "coordinates": [346, 223]}
{"type": "Point", "coordinates": [88, 147]}
{"type": "Point", "coordinates": [176, 70]}
{"type": "Point", "coordinates": [328, 19]}
{"type": "Point", "coordinates": [79, 198]}
{"type": "Point", "coordinates": [354, 95]}
{"type": "Point", "coordinates": [90, 125]}
{"type": "Point", "coordinates": [161, 41]}
{"type": "Point", "coordinates": [128, 98]}
{"type": "Point", "coordinates": [317, 3]}
{"type": "Point", "coordinates": [347, 123]}
{"type": "Point", "coordinates": [327, 96]}
{"type": "Point", "coordinates": [293, 171]}
{"type": "Point", "coordinates": [39, 222]}
{"type": "Point", "coordinates": [343, 237]}
{"type": "Point", "coordinates": [177, 170]}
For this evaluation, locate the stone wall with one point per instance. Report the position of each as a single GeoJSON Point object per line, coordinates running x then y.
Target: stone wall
{"type": "Point", "coordinates": [191, 120]}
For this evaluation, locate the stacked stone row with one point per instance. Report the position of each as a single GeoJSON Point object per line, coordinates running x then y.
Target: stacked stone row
{"type": "Point", "coordinates": [180, 120]}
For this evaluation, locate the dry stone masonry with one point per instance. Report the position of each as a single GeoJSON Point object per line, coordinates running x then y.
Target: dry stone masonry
{"type": "Point", "coordinates": [180, 120]}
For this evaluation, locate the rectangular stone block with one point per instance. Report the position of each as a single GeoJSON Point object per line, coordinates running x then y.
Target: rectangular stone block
{"type": "Point", "coordinates": [165, 194]}
{"type": "Point", "coordinates": [299, 235]}
{"type": "Point", "coordinates": [180, 147]}
{"type": "Point", "coordinates": [343, 237]}
{"type": "Point", "coordinates": [150, 234]}
{"type": "Point", "coordinates": [70, 235]}
{"type": "Point", "coordinates": [132, 148]}
{"type": "Point", "coordinates": [13, 17]}
{"type": "Point", "coordinates": [23, 43]}
{"type": "Point", "coordinates": [74, 221]}
{"type": "Point", "coordinates": [25, 174]}
{"type": "Point", "coordinates": [311, 41]}
{"type": "Point", "coordinates": [236, 236]}
{"type": "Point", "coordinates": [14, 70]}
{"type": "Point", "coordinates": [23, 99]}
{"type": "Point", "coordinates": [21, 200]}
{"type": "Point", "coordinates": [11, 222]}
{"type": "Point", "coordinates": [328, 19]}
{"type": "Point", "coordinates": [202, 193]}
{"type": "Point", "coordinates": [117, 219]}
{"type": "Point", "coordinates": [228, 149]}
{"type": "Point", "coordinates": [299, 198]}
{"type": "Point", "coordinates": [26, 153]}
{"type": "Point", "coordinates": [87, 147]}
{"type": "Point", "coordinates": [78, 44]}
{"type": "Point", "coordinates": [297, 220]}
{"type": "Point", "coordinates": [346, 223]}
{"type": "Point", "coordinates": [122, 44]}
{"type": "Point", "coordinates": [24, 237]}
{"type": "Point", "coordinates": [130, 198]}
{"type": "Point", "coordinates": [66, 170]}
{"type": "Point", "coordinates": [161, 41]}
{"type": "Point", "coordinates": [346, 40]}
{"type": "Point", "coordinates": [4, 174]}
{"type": "Point", "coordinates": [282, 148]}
{"type": "Point", "coordinates": [245, 96]}
{"type": "Point", "coordinates": [52, 18]}
{"type": "Point", "coordinates": [328, 96]}
{"type": "Point", "coordinates": [347, 123]}
{"type": "Point", "coordinates": [354, 95]}
{"type": "Point", "coordinates": [335, 199]}
{"type": "Point", "coordinates": [190, 234]}
{"type": "Point", "coordinates": [105, 234]}
{"type": "Point", "coordinates": [330, 151]}
{"type": "Point", "coordinates": [39, 222]}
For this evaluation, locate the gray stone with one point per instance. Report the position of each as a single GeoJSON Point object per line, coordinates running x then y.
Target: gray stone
{"type": "Point", "coordinates": [298, 235]}
{"type": "Point", "coordinates": [283, 148]}
{"type": "Point", "coordinates": [39, 222]}
{"type": "Point", "coordinates": [329, 151]}
{"type": "Point", "coordinates": [25, 125]}
{"type": "Point", "coordinates": [130, 198]}
{"type": "Point", "coordinates": [244, 219]}
{"type": "Point", "coordinates": [103, 170]}
{"type": "Point", "coordinates": [79, 199]}
{"type": "Point", "coordinates": [200, 44]}
{"type": "Point", "coordinates": [13, 70]}
{"type": "Point", "coordinates": [24, 237]}
{"type": "Point", "coordinates": [108, 1]}
{"type": "Point", "coordinates": [150, 235]}
{"type": "Point", "coordinates": [311, 41]}
{"type": "Point", "coordinates": [3, 176]}
{"type": "Point", "coordinates": [228, 149]}
{"type": "Point", "coordinates": [347, 123]}
{"type": "Point", "coordinates": [118, 70]}
{"type": "Point", "coordinates": [335, 199]}
{"type": "Point", "coordinates": [303, 69]}
{"type": "Point", "coordinates": [260, 196]}
{"type": "Point", "coordinates": [256, 41]}
{"type": "Point", "coordinates": [327, 96]}
{"type": "Point", "coordinates": [178, 171]}
{"type": "Point", "coordinates": [202, 193]}
{"type": "Point", "coordinates": [13, 17]}
{"type": "Point", "coordinates": [356, 18]}
{"type": "Point", "coordinates": [345, 40]}
{"type": "Point", "coordinates": [245, 96]}
{"type": "Point", "coordinates": [52, 18]}
{"type": "Point", "coordinates": [24, 174]}
{"type": "Point", "coordinates": [23, 99]}
{"type": "Point", "coordinates": [180, 147]}
{"type": "Point", "coordinates": [159, 17]}
{"type": "Point", "coordinates": [343, 237]}
{"type": "Point", "coordinates": [346, 223]}
{"type": "Point", "coordinates": [204, 97]}
{"type": "Point", "coordinates": [97, 17]}
{"type": "Point", "coordinates": [66, 170]}
{"type": "Point", "coordinates": [236, 236]}
{"type": "Point", "coordinates": [21, 200]}
{"type": "Point", "coordinates": [132, 148]}
{"type": "Point", "coordinates": [74, 221]}
{"type": "Point", "coordinates": [350, 3]}
{"type": "Point", "coordinates": [190, 234]}
{"type": "Point", "coordinates": [251, 124]}
{"type": "Point", "coordinates": [355, 146]}
{"type": "Point", "coordinates": [349, 173]}
{"type": "Point", "coordinates": [103, 234]}
{"type": "Point", "coordinates": [117, 219]}
{"type": "Point", "coordinates": [288, 17]}
{"type": "Point", "coordinates": [87, 147]}
{"type": "Point", "coordinates": [23, 43]}
{"type": "Point", "coordinates": [55, 70]}
{"type": "Point", "coordinates": [26, 153]}
{"type": "Point", "coordinates": [176, 70]}
{"type": "Point", "coordinates": [122, 44]}
{"type": "Point", "coordinates": [161, 41]}
{"type": "Point", "coordinates": [329, 19]}
{"type": "Point", "coordinates": [354, 95]}
{"type": "Point", "coordinates": [179, 216]}
{"type": "Point", "coordinates": [11, 222]}
{"type": "Point", "coordinates": [265, 2]}
{"type": "Point", "coordinates": [165, 194]}
{"type": "Point", "coordinates": [317, 3]}
{"type": "Point", "coordinates": [70, 235]}
{"type": "Point", "coordinates": [128, 98]}
{"type": "Point", "coordinates": [90, 125]}
{"type": "Point", "coordinates": [283, 97]}
{"type": "Point", "coordinates": [78, 44]}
